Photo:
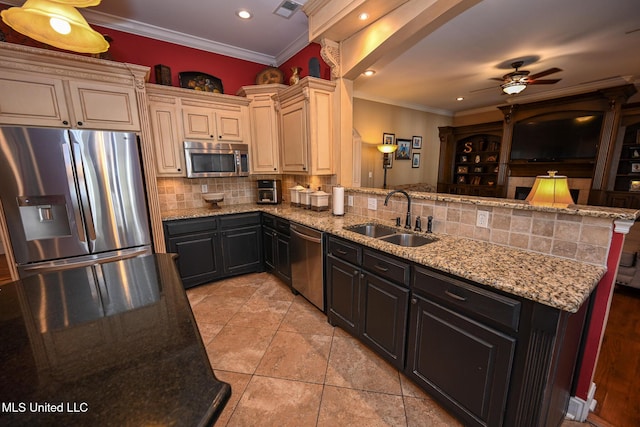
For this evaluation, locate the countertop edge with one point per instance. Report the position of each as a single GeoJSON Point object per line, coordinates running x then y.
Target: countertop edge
{"type": "Point", "coordinates": [556, 278]}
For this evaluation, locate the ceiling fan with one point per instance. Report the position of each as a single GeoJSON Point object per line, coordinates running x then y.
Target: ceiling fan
{"type": "Point", "coordinates": [517, 81]}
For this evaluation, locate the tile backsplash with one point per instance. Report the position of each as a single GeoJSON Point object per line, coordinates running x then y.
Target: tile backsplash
{"type": "Point", "coordinates": [581, 238]}
{"type": "Point", "coordinates": [184, 193]}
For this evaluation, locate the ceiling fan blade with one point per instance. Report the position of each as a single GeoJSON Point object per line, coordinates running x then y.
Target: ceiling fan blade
{"type": "Point", "coordinates": [498, 79]}
{"type": "Point", "coordinates": [543, 82]}
{"type": "Point", "coordinates": [544, 73]}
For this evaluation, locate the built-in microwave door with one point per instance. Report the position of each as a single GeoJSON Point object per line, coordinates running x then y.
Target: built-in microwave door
{"type": "Point", "coordinates": [203, 164]}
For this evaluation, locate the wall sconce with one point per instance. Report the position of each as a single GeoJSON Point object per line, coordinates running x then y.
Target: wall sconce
{"type": "Point", "coordinates": [57, 23]}
{"type": "Point", "coordinates": [386, 149]}
{"type": "Point", "coordinates": [550, 190]}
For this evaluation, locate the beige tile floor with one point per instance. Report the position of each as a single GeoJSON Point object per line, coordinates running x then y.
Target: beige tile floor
{"type": "Point", "coordinates": [288, 367]}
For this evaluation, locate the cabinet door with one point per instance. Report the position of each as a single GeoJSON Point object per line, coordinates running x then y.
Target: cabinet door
{"type": "Point", "coordinates": [198, 260]}
{"type": "Point", "coordinates": [283, 260]}
{"type": "Point", "coordinates": [343, 294]}
{"type": "Point", "coordinates": [242, 250]}
{"type": "Point", "coordinates": [383, 324]}
{"type": "Point", "coordinates": [102, 106]}
{"type": "Point", "coordinates": [198, 123]}
{"type": "Point", "coordinates": [32, 100]}
{"type": "Point", "coordinates": [269, 248]}
{"type": "Point", "coordinates": [166, 140]}
{"type": "Point", "coordinates": [294, 137]}
{"type": "Point", "coordinates": [320, 124]}
{"type": "Point", "coordinates": [229, 126]}
{"type": "Point", "coordinates": [264, 137]}
{"type": "Point", "coordinates": [462, 363]}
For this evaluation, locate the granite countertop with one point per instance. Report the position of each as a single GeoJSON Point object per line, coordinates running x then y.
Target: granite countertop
{"type": "Point", "coordinates": [111, 345]}
{"type": "Point", "coordinates": [553, 281]}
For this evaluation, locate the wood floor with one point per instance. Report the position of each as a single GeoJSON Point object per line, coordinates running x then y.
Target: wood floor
{"type": "Point", "coordinates": [616, 377]}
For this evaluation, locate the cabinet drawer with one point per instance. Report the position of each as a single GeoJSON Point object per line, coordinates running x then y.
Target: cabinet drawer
{"type": "Point", "coordinates": [239, 220]}
{"type": "Point", "coordinates": [182, 226]}
{"type": "Point", "coordinates": [473, 300]}
{"type": "Point", "coordinates": [387, 267]}
{"type": "Point", "coordinates": [344, 250]}
{"type": "Point", "coordinates": [269, 221]}
{"type": "Point", "coordinates": [282, 226]}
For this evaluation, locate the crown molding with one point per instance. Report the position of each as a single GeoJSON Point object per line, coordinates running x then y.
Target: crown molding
{"type": "Point", "coordinates": [170, 36]}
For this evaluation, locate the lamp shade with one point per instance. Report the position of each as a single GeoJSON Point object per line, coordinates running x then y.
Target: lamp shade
{"type": "Point", "coordinates": [78, 3]}
{"type": "Point", "coordinates": [36, 19]}
{"type": "Point", "coordinates": [550, 190]}
{"type": "Point", "coordinates": [387, 148]}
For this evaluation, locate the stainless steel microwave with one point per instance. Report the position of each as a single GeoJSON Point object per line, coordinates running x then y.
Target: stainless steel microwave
{"type": "Point", "coordinates": [216, 159]}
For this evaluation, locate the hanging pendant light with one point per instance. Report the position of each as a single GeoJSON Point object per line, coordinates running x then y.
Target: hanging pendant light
{"type": "Point", "coordinates": [56, 23]}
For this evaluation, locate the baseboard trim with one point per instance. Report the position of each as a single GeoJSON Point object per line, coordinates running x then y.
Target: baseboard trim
{"type": "Point", "coordinates": [579, 409]}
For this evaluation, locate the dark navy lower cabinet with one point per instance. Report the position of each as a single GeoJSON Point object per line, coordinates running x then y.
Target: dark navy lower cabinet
{"type": "Point", "coordinates": [214, 247]}
{"type": "Point", "coordinates": [464, 363]}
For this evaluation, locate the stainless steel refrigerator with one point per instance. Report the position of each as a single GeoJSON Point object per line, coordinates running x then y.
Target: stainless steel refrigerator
{"type": "Point", "coordinates": [72, 197]}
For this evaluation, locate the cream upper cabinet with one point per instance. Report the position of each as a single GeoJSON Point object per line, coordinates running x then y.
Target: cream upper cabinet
{"type": "Point", "coordinates": [265, 135]}
{"type": "Point", "coordinates": [198, 123]}
{"type": "Point", "coordinates": [37, 100]}
{"type": "Point", "coordinates": [166, 136]}
{"type": "Point", "coordinates": [32, 99]}
{"type": "Point", "coordinates": [211, 122]}
{"type": "Point", "coordinates": [104, 106]}
{"type": "Point", "coordinates": [306, 118]}
{"type": "Point", "coordinates": [177, 115]}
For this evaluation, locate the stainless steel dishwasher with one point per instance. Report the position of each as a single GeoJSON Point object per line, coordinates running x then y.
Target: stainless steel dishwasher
{"type": "Point", "coordinates": [306, 263]}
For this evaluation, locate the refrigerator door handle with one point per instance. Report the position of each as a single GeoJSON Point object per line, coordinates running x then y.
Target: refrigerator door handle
{"type": "Point", "coordinates": [66, 152]}
{"type": "Point", "coordinates": [82, 184]}
{"type": "Point", "coordinates": [83, 261]}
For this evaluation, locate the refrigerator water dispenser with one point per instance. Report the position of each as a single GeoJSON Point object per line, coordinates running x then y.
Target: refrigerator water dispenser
{"type": "Point", "coordinates": [44, 217]}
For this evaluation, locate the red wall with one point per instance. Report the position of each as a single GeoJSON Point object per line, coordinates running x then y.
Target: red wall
{"type": "Point", "coordinates": [134, 49]}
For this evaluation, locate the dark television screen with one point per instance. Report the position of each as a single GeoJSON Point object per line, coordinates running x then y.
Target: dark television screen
{"type": "Point", "coordinates": [557, 137]}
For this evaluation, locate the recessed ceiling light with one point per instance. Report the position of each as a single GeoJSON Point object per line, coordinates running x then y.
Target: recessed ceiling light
{"type": "Point", "coordinates": [459, 98]}
{"type": "Point", "coordinates": [363, 16]}
{"type": "Point", "coordinates": [244, 14]}
{"type": "Point", "coordinates": [369, 73]}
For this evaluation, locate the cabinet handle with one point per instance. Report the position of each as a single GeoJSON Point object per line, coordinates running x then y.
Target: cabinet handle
{"type": "Point", "coordinates": [179, 170]}
{"type": "Point", "coordinates": [79, 123]}
{"type": "Point", "coordinates": [414, 300]}
{"type": "Point", "coordinates": [211, 136]}
{"type": "Point", "coordinates": [64, 122]}
{"type": "Point", "coordinates": [381, 268]}
{"type": "Point", "coordinates": [455, 296]}
{"type": "Point", "coordinates": [341, 252]}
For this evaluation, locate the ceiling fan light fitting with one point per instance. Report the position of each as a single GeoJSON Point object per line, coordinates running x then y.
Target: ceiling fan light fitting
{"type": "Point", "coordinates": [512, 88]}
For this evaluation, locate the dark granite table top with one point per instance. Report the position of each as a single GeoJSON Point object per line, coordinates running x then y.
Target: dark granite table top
{"type": "Point", "coordinates": [109, 345]}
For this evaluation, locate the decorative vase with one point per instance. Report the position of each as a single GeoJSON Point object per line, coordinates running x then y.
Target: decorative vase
{"type": "Point", "coordinates": [295, 76]}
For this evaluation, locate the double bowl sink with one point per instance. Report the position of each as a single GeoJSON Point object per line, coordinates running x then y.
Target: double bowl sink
{"type": "Point", "coordinates": [391, 235]}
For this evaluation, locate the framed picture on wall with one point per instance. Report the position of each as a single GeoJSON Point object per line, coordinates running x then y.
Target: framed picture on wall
{"type": "Point", "coordinates": [404, 149]}
{"type": "Point", "coordinates": [389, 138]}
{"type": "Point", "coordinates": [415, 160]}
{"type": "Point", "coordinates": [416, 142]}
{"type": "Point", "coordinates": [635, 167]}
